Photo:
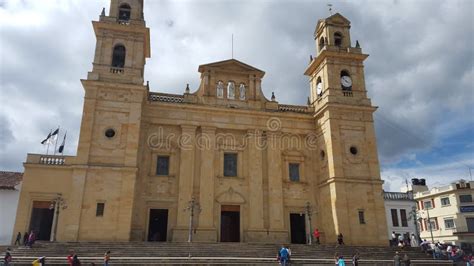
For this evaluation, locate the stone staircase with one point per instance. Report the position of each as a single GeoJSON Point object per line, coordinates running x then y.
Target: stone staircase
{"type": "Point", "coordinates": [159, 253]}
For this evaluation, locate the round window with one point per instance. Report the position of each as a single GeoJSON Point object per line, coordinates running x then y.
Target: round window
{"type": "Point", "coordinates": [353, 150]}
{"type": "Point", "coordinates": [110, 133]}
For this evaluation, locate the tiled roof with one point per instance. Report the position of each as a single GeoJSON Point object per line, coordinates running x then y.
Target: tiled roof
{"type": "Point", "coordinates": [8, 180]}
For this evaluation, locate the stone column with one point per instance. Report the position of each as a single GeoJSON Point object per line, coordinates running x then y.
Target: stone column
{"type": "Point", "coordinates": [255, 179]}
{"type": "Point", "coordinates": [185, 183]}
{"type": "Point", "coordinates": [275, 188]}
{"type": "Point", "coordinates": [206, 143]}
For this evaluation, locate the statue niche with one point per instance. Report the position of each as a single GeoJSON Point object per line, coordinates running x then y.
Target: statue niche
{"type": "Point", "coordinates": [220, 89]}
{"type": "Point", "coordinates": [230, 90]}
{"type": "Point", "coordinates": [242, 92]}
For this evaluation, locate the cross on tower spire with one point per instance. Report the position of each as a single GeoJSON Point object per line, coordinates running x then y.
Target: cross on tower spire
{"type": "Point", "coordinates": [330, 9]}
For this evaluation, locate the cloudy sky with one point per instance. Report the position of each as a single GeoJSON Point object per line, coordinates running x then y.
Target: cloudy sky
{"type": "Point", "coordinates": [420, 70]}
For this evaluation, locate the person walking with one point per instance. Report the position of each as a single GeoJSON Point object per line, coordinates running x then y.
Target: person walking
{"type": "Point", "coordinates": [39, 261]}
{"type": "Point", "coordinates": [76, 261]}
{"type": "Point", "coordinates": [394, 241]}
{"type": "Point", "coordinates": [284, 254]}
{"type": "Point", "coordinates": [18, 239]}
{"type": "Point", "coordinates": [341, 262]}
{"type": "Point", "coordinates": [316, 235]}
{"type": "Point", "coordinates": [25, 239]}
{"type": "Point", "coordinates": [413, 241]}
{"type": "Point", "coordinates": [31, 239]}
{"type": "Point", "coordinates": [396, 259]}
{"type": "Point", "coordinates": [70, 257]}
{"type": "Point", "coordinates": [107, 258]}
{"type": "Point", "coordinates": [406, 260]}
{"type": "Point", "coordinates": [340, 239]}
{"type": "Point", "coordinates": [355, 259]}
{"type": "Point", "coordinates": [7, 259]}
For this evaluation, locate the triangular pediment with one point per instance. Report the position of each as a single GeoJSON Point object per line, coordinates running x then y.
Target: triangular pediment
{"type": "Point", "coordinates": [231, 65]}
{"type": "Point", "coordinates": [336, 19]}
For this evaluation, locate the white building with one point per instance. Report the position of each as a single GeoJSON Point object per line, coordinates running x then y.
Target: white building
{"type": "Point", "coordinates": [10, 183]}
{"type": "Point", "coordinates": [450, 210]}
{"type": "Point", "coordinates": [399, 210]}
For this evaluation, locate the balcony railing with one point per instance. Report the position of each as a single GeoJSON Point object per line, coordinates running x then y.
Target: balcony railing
{"type": "Point", "coordinates": [123, 22]}
{"type": "Point", "coordinates": [52, 159]}
{"type": "Point", "coordinates": [347, 93]}
{"type": "Point", "coordinates": [48, 159]}
{"type": "Point", "coordinates": [117, 70]}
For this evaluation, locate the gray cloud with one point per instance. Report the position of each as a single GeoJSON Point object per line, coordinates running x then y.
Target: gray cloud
{"type": "Point", "coordinates": [419, 73]}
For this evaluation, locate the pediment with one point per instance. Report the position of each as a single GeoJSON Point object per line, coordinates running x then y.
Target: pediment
{"type": "Point", "coordinates": [231, 65]}
{"type": "Point", "coordinates": [230, 196]}
{"type": "Point", "coordinates": [336, 19]}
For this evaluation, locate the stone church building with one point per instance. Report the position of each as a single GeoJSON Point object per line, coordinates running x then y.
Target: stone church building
{"type": "Point", "coordinates": [221, 163]}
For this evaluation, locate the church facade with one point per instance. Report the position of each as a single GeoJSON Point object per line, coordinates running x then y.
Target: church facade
{"type": "Point", "coordinates": [221, 163]}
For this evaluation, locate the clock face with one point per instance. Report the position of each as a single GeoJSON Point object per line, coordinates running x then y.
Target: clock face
{"type": "Point", "coordinates": [346, 81]}
{"type": "Point", "coordinates": [319, 88]}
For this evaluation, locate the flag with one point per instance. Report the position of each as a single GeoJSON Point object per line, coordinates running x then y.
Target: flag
{"type": "Point", "coordinates": [61, 147]}
{"type": "Point", "coordinates": [46, 140]}
{"type": "Point", "coordinates": [54, 136]}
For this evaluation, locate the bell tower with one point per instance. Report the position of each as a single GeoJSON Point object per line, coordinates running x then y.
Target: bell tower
{"type": "Point", "coordinates": [109, 138]}
{"type": "Point", "coordinates": [123, 43]}
{"type": "Point", "coordinates": [350, 188]}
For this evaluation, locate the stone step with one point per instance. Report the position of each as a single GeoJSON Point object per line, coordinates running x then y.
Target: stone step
{"type": "Point", "coordinates": [147, 253]}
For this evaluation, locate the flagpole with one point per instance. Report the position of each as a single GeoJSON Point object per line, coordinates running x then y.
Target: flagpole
{"type": "Point", "coordinates": [56, 142]}
{"type": "Point", "coordinates": [63, 144]}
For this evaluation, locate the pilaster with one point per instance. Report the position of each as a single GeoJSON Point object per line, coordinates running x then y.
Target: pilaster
{"type": "Point", "coordinates": [276, 231]}
{"type": "Point", "coordinates": [206, 145]}
{"type": "Point", "coordinates": [186, 173]}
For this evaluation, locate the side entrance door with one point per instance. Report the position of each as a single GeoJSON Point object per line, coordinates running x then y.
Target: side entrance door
{"type": "Point", "coordinates": [41, 219]}
{"type": "Point", "coordinates": [158, 225]}
{"type": "Point", "coordinates": [297, 228]}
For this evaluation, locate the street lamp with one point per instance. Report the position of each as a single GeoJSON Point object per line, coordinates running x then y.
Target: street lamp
{"type": "Point", "coordinates": [192, 207]}
{"type": "Point", "coordinates": [309, 212]}
{"type": "Point", "coordinates": [429, 224]}
{"type": "Point", "coordinates": [56, 204]}
{"type": "Point", "coordinates": [414, 215]}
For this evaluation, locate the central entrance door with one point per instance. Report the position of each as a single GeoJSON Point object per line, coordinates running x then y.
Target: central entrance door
{"type": "Point", "coordinates": [158, 225]}
{"type": "Point", "coordinates": [41, 219]}
{"type": "Point", "coordinates": [298, 228]}
{"type": "Point", "coordinates": [230, 223]}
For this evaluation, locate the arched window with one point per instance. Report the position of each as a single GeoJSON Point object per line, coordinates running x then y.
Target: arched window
{"type": "Point", "coordinates": [321, 43]}
{"type": "Point", "coordinates": [118, 57]}
{"type": "Point", "coordinates": [124, 12]}
{"type": "Point", "coordinates": [346, 80]}
{"type": "Point", "coordinates": [337, 39]}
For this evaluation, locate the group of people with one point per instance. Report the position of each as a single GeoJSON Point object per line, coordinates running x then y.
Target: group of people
{"type": "Point", "coordinates": [404, 240]}
{"type": "Point", "coordinates": [28, 239]}
{"type": "Point", "coordinates": [446, 251]}
{"type": "Point", "coordinates": [401, 260]}
{"type": "Point", "coordinates": [339, 259]}
{"type": "Point", "coordinates": [72, 259]}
